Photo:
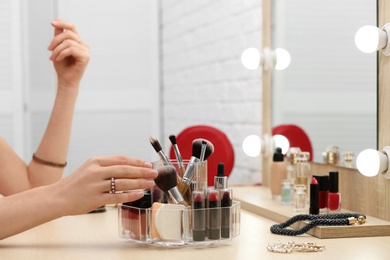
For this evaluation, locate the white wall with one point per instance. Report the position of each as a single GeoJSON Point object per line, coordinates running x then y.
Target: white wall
{"type": "Point", "coordinates": [203, 79]}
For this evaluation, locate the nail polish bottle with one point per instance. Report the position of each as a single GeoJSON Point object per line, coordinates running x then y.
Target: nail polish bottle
{"type": "Point", "coordinates": [323, 185]}
{"type": "Point", "coordinates": [334, 197]}
{"type": "Point", "coordinates": [278, 174]}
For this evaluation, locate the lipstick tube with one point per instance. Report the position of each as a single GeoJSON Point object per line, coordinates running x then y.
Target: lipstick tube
{"type": "Point", "coordinates": [198, 216]}
{"type": "Point", "coordinates": [323, 185]}
{"type": "Point", "coordinates": [214, 215]}
{"type": "Point", "coordinates": [314, 187]}
{"type": "Point", "coordinates": [226, 203]}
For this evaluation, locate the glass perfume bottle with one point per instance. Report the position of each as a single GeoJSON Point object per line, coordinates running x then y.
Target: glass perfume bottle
{"type": "Point", "coordinates": [303, 169]}
{"type": "Point", "coordinates": [292, 158]}
{"type": "Point", "coordinates": [348, 159]}
{"type": "Point", "coordinates": [332, 155]}
{"type": "Point", "coordinates": [287, 192]}
{"type": "Point", "coordinates": [300, 197]}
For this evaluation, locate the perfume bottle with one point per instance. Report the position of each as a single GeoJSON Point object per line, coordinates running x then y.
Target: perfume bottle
{"type": "Point", "coordinates": [287, 192]}
{"type": "Point", "coordinates": [278, 173]}
{"type": "Point", "coordinates": [303, 169]}
{"type": "Point", "coordinates": [348, 159]}
{"type": "Point", "coordinates": [292, 158]}
{"type": "Point", "coordinates": [332, 155]}
{"type": "Point", "coordinates": [300, 197]}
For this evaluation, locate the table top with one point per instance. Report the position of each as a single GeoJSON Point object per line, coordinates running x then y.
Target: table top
{"type": "Point", "coordinates": [95, 236]}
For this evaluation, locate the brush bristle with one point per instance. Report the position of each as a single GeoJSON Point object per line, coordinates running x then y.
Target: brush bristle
{"type": "Point", "coordinates": [155, 143]}
{"type": "Point", "coordinates": [166, 178]}
{"type": "Point", "coordinates": [197, 148]}
{"type": "Point", "coordinates": [173, 139]}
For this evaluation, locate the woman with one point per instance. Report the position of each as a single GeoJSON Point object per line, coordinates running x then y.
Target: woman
{"type": "Point", "coordinates": [37, 189]}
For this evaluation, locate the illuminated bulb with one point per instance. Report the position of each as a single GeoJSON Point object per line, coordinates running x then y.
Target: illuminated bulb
{"type": "Point", "coordinates": [371, 162]}
{"type": "Point", "coordinates": [369, 39]}
{"type": "Point", "coordinates": [282, 142]}
{"type": "Point", "coordinates": [283, 59]}
{"type": "Point", "coordinates": [251, 58]}
{"type": "Point", "coordinates": [252, 145]}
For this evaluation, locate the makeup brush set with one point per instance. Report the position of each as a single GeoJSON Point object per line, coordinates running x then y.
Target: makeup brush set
{"type": "Point", "coordinates": [181, 209]}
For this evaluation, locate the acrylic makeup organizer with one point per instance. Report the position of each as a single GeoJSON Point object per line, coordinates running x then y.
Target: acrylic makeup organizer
{"type": "Point", "coordinates": [170, 225]}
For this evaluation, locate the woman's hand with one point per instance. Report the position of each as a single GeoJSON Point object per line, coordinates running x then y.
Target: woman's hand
{"type": "Point", "coordinates": [89, 186]}
{"type": "Point", "coordinates": [70, 54]}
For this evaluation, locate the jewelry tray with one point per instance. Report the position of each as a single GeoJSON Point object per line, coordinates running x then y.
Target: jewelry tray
{"type": "Point", "coordinates": [139, 225]}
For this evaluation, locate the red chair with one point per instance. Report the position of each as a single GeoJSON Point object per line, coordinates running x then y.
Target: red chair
{"type": "Point", "coordinates": [223, 149]}
{"type": "Point", "coordinates": [296, 136]}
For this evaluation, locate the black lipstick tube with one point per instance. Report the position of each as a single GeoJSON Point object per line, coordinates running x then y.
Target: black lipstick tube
{"type": "Point", "coordinates": [226, 203]}
{"type": "Point", "coordinates": [198, 216]}
{"type": "Point", "coordinates": [214, 215]}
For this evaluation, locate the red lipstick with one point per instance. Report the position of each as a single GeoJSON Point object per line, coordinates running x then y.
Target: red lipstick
{"type": "Point", "coordinates": [314, 188]}
{"type": "Point", "coordinates": [198, 216]}
{"type": "Point", "coordinates": [214, 215]}
{"type": "Point", "coordinates": [323, 183]}
{"type": "Point", "coordinates": [226, 203]}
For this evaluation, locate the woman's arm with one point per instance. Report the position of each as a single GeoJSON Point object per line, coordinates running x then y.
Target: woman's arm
{"type": "Point", "coordinates": [82, 191]}
{"type": "Point", "coordinates": [70, 56]}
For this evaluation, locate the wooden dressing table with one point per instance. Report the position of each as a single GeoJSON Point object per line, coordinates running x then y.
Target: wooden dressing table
{"type": "Point", "coordinates": [94, 236]}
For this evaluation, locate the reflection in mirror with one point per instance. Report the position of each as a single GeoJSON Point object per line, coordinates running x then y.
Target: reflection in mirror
{"type": "Point", "coordinates": [330, 87]}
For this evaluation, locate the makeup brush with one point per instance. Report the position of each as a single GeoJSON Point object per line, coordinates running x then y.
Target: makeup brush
{"type": "Point", "coordinates": [203, 150]}
{"type": "Point", "coordinates": [157, 147]}
{"type": "Point", "coordinates": [177, 153]}
{"type": "Point", "coordinates": [196, 154]}
{"type": "Point", "coordinates": [166, 180]}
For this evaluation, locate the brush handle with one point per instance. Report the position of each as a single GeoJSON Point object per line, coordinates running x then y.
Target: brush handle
{"type": "Point", "coordinates": [164, 158]}
{"type": "Point", "coordinates": [189, 173]}
{"type": "Point", "coordinates": [183, 188]}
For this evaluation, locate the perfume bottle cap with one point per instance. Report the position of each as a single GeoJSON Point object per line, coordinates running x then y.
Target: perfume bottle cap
{"type": "Point", "coordinates": [334, 182]}
{"type": "Point", "coordinates": [278, 155]}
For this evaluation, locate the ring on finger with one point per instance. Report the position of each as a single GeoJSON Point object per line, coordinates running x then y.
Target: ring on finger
{"type": "Point", "coordinates": [112, 191]}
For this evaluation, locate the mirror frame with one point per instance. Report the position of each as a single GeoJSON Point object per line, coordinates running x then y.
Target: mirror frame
{"type": "Point", "coordinates": [370, 196]}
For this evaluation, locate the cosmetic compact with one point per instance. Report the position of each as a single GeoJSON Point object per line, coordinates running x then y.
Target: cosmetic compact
{"type": "Point", "coordinates": [209, 215]}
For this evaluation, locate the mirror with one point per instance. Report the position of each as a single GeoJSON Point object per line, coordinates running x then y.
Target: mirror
{"type": "Point", "coordinates": [330, 87]}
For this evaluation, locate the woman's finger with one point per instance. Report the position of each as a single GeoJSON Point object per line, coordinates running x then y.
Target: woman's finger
{"type": "Point", "coordinates": [62, 25]}
{"type": "Point", "coordinates": [127, 172]}
{"type": "Point", "coordinates": [63, 36]}
{"type": "Point", "coordinates": [126, 185]}
{"type": "Point", "coordinates": [119, 160]}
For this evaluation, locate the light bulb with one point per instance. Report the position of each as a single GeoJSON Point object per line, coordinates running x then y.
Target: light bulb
{"type": "Point", "coordinates": [252, 145]}
{"type": "Point", "coordinates": [371, 162]}
{"type": "Point", "coordinates": [282, 142]}
{"type": "Point", "coordinates": [370, 38]}
{"type": "Point", "coordinates": [251, 58]}
{"type": "Point", "coordinates": [283, 59]}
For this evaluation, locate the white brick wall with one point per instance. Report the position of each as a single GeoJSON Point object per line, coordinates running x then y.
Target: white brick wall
{"type": "Point", "coordinates": [203, 79]}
